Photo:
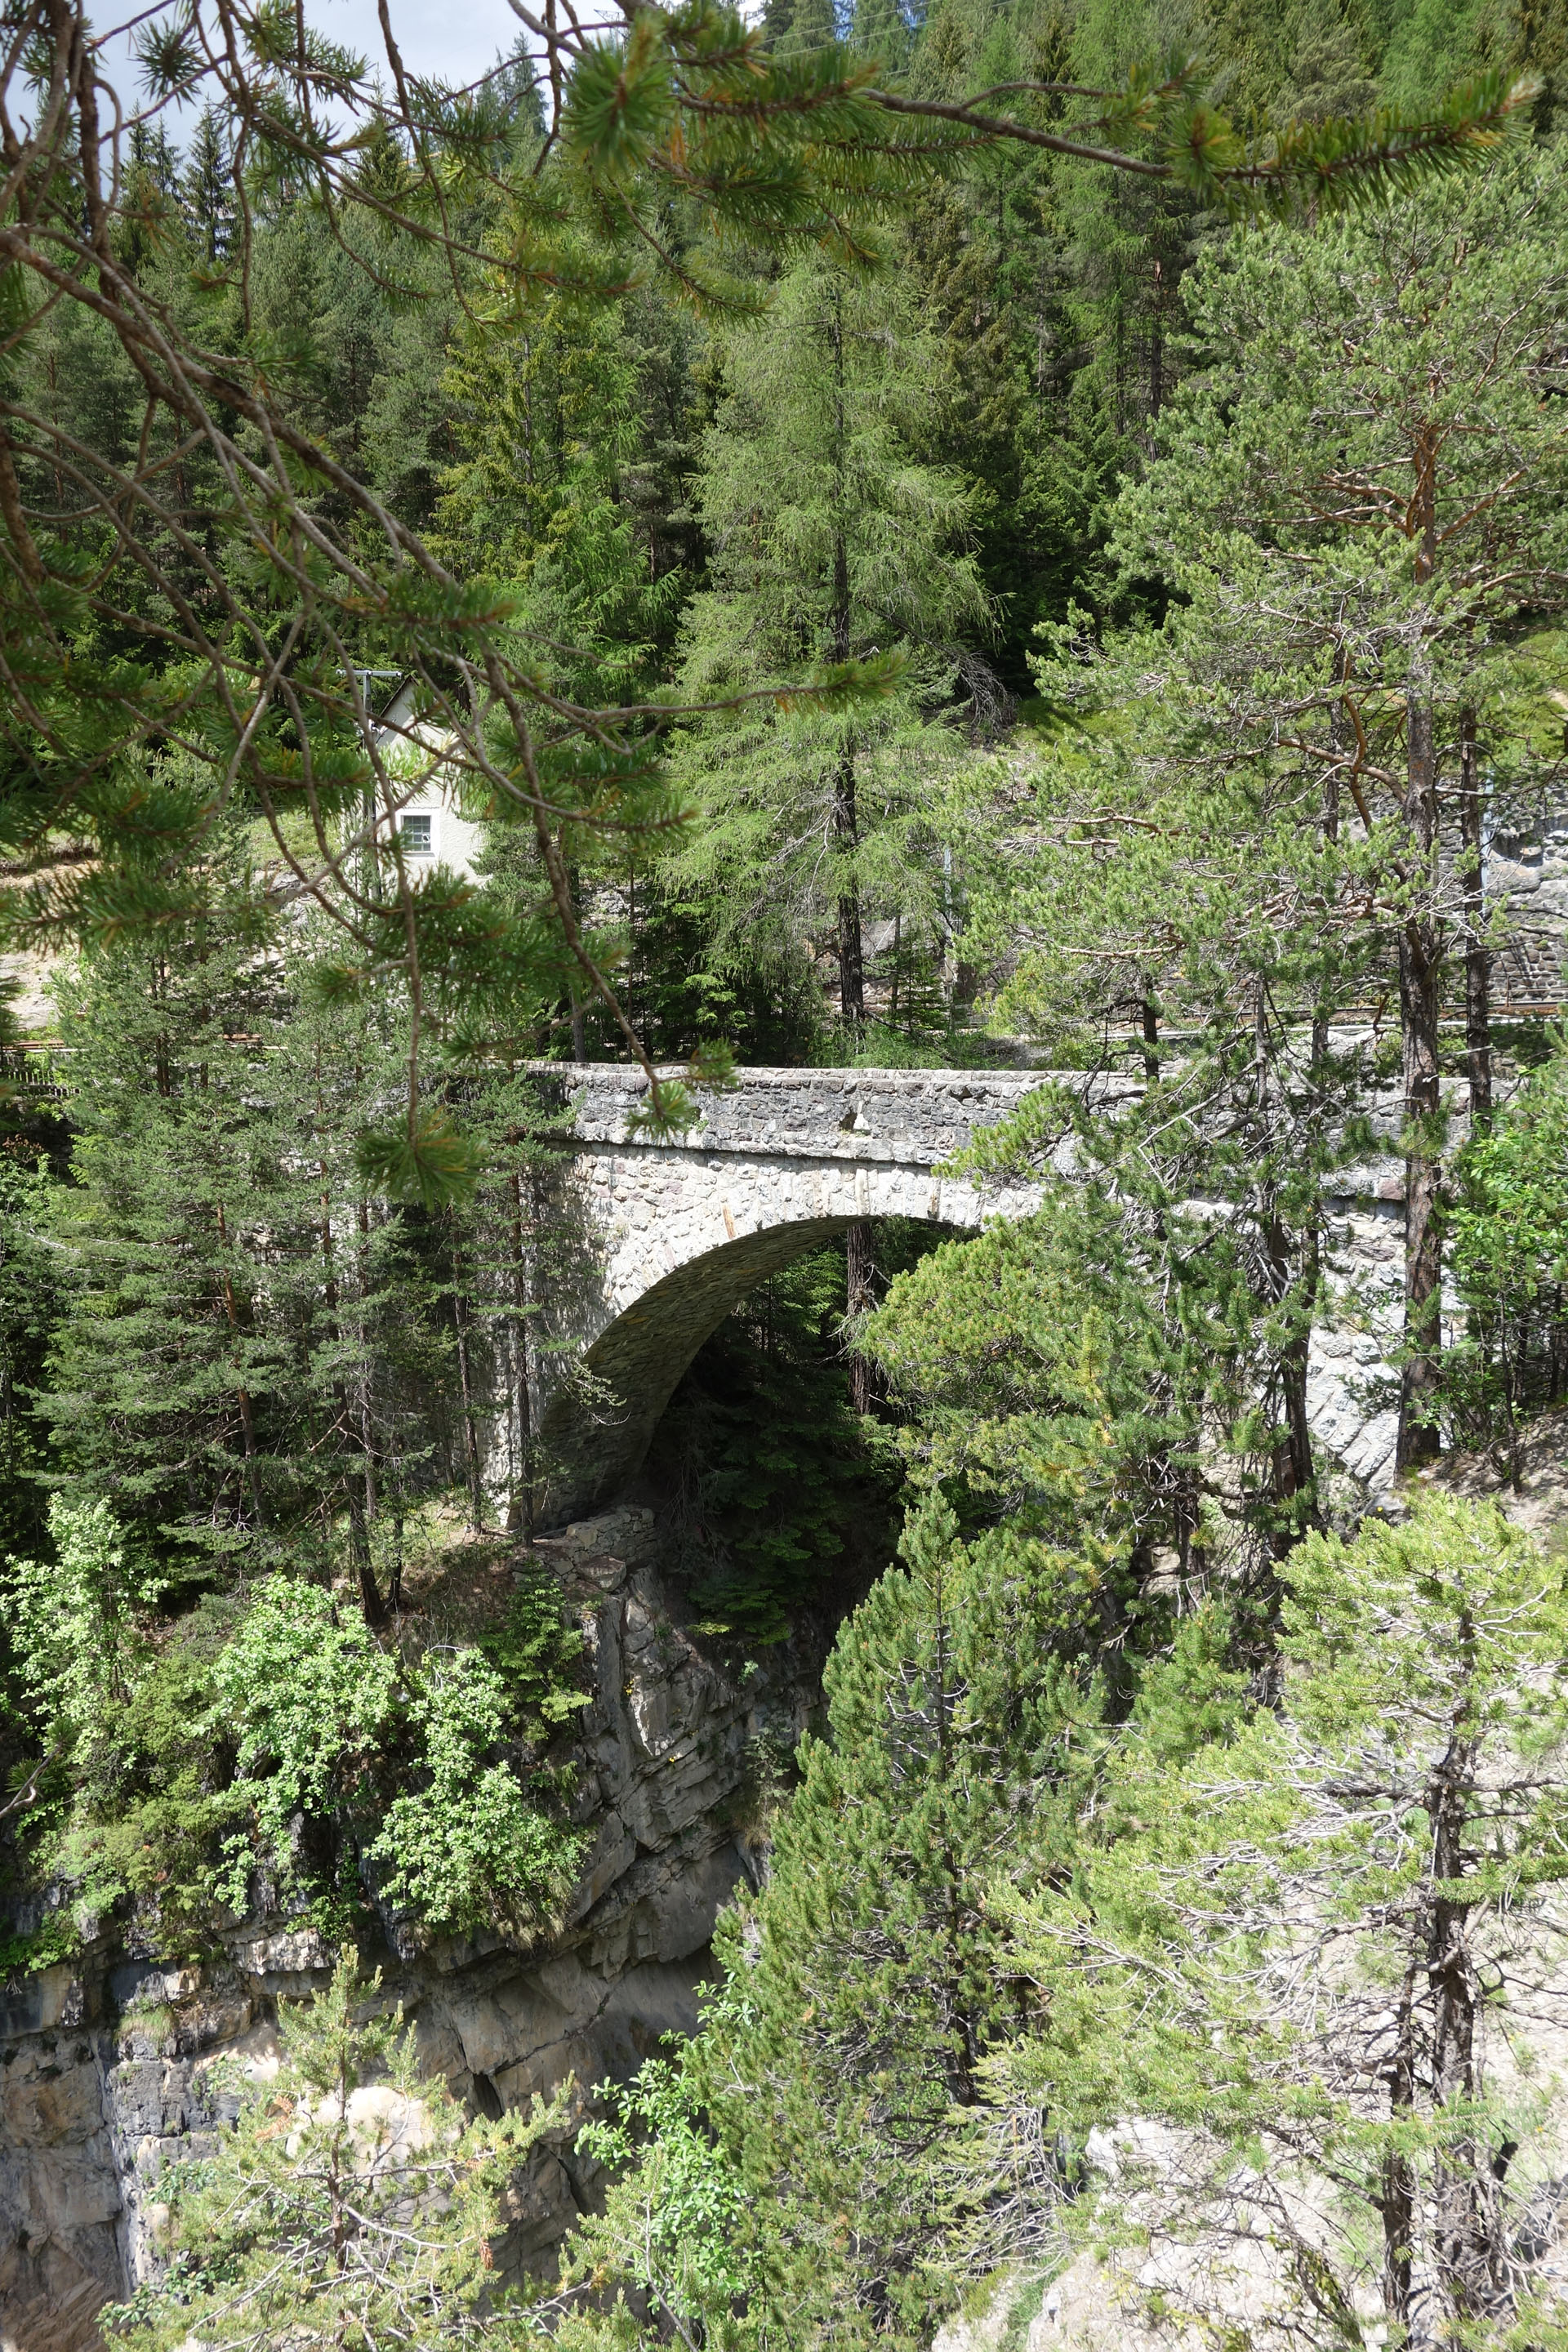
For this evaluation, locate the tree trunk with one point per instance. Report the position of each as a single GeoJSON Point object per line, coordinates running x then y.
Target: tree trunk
{"type": "Point", "coordinates": [1420, 1001]}
{"type": "Point", "coordinates": [1478, 954]}
{"type": "Point", "coordinates": [366, 1419]}
{"type": "Point", "coordinates": [1157, 345]}
{"type": "Point", "coordinates": [1396, 2199]}
{"type": "Point", "coordinates": [370, 1598]}
{"type": "Point", "coordinates": [1339, 732]}
{"type": "Point", "coordinates": [521, 1512]}
{"type": "Point", "coordinates": [1294, 1365]}
{"type": "Point", "coordinates": [1471, 2248]}
{"type": "Point", "coordinates": [962, 2024]}
{"type": "Point", "coordinates": [1421, 952]}
{"type": "Point", "coordinates": [859, 1265]}
{"type": "Point", "coordinates": [847, 833]}
{"type": "Point", "coordinates": [247, 1418]}
{"type": "Point", "coordinates": [475, 1481]}
{"type": "Point", "coordinates": [579, 1012]}
{"type": "Point", "coordinates": [851, 964]}
{"type": "Point", "coordinates": [1150, 1015]}
{"type": "Point", "coordinates": [845, 825]}
{"type": "Point", "coordinates": [1292, 1462]}
{"type": "Point", "coordinates": [1294, 1473]}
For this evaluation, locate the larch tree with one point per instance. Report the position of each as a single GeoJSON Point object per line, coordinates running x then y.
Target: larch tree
{"type": "Point", "coordinates": [830, 541]}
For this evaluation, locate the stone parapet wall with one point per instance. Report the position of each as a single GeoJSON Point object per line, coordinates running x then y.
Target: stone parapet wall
{"type": "Point", "coordinates": [673, 1230]}
{"type": "Point", "coordinates": [1526, 876]}
{"type": "Point", "coordinates": [918, 1117]}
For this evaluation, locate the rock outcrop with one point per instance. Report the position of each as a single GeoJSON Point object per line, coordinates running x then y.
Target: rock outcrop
{"type": "Point", "coordinates": [106, 2065]}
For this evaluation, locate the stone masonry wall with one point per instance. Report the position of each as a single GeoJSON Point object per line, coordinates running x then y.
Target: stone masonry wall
{"type": "Point", "coordinates": [674, 1232]}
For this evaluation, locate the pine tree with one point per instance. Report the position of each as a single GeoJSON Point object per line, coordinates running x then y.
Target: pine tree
{"type": "Point", "coordinates": [812, 26]}
{"type": "Point", "coordinates": [1298, 1953]}
{"type": "Point", "coordinates": [350, 2199]}
{"type": "Point", "coordinates": [844, 2064]}
{"type": "Point", "coordinates": [1359, 511]}
{"type": "Point", "coordinates": [551, 428]}
{"type": "Point", "coordinates": [1126, 1369]}
{"type": "Point", "coordinates": [501, 1254]}
{"type": "Point", "coordinates": [1193, 925]}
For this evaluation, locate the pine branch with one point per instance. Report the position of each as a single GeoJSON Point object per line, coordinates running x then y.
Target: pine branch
{"type": "Point", "coordinates": [1288, 168]}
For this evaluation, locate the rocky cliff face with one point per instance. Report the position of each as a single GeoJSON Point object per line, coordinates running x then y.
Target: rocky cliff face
{"type": "Point", "coordinates": [106, 2064]}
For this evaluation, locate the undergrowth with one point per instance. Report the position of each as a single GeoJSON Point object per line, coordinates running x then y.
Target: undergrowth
{"type": "Point", "coordinates": [268, 1752]}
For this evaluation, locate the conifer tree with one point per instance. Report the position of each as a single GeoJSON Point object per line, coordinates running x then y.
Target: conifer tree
{"type": "Point", "coordinates": [207, 186]}
{"type": "Point", "coordinates": [29, 1305]}
{"type": "Point", "coordinates": [812, 27]}
{"type": "Point", "coordinates": [306, 577]}
{"type": "Point", "coordinates": [248, 1328]}
{"type": "Point", "coordinates": [1126, 1369]}
{"type": "Point", "coordinates": [865, 1986]}
{"type": "Point", "coordinates": [1359, 502]}
{"type": "Point", "coordinates": [164, 1387]}
{"type": "Point", "coordinates": [350, 2200]}
{"type": "Point", "coordinates": [1181, 928]}
{"type": "Point", "coordinates": [1294, 1958]}
{"type": "Point", "coordinates": [830, 541]}
{"type": "Point", "coordinates": [552, 426]}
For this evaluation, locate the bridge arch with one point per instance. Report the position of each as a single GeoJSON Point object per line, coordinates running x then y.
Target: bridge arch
{"type": "Point", "coordinates": [674, 1232]}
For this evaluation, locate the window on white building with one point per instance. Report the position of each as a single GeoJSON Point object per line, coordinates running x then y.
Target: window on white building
{"type": "Point", "coordinates": [415, 831]}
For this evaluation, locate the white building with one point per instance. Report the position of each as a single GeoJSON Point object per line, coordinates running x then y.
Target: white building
{"type": "Point", "coordinates": [429, 824]}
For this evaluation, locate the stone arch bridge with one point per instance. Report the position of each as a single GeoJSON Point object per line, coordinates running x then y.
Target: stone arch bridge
{"type": "Point", "coordinates": [673, 1232]}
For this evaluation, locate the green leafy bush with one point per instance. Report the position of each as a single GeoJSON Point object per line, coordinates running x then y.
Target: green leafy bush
{"type": "Point", "coordinates": [469, 1845]}
{"type": "Point", "coordinates": [326, 1718]}
{"type": "Point", "coordinates": [179, 1759]}
{"type": "Point", "coordinates": [72, 1622]}
{"type": "Point", "coordinates": [151, 1814]}
{"type": "Point", "coordinates": [131, 1791]}
{"type": "Point", "coordinates": [691, 2255]}
{"type": "Point", "coordinates": [312, 1696]}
